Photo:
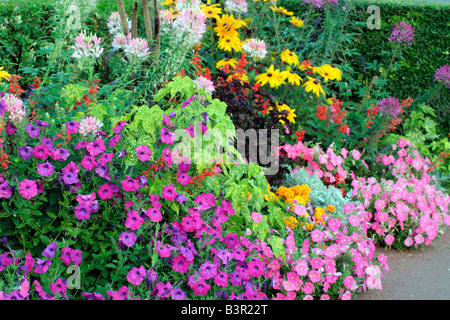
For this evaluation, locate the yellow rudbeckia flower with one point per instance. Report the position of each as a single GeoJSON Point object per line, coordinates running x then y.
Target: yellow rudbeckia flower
{"type": "Point", "coordinates": [289, 57]}
{"type": "Point", "coordinates": [314, 86]}
{"type": "Point", "coordinates": [296, 21]}
{"type": "Point", "coordinates": [211, 10]}
{"type": "Point", "coordinates": [281, 10]}
{"type": "Point", "coordinates": [230, 43]}
{"type": "Point", "coordinates": [226, 62]}
{"type": "Point", "coordinates": [273, 77]}
{"type": "Point", "coordinates": [292, 77]}
{"type": "Point", "coordinates": [329, 72]}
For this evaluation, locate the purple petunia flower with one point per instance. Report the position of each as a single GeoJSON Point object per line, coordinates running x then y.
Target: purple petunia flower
{"type": "Point", "coordinates": [93, 296]}
{"type": "Point", "coordinates": [72, 126]}
{"type": "Point", "coordinates": [231, 240]}
{"type": "Point", "coordinates": [128, 238]}
{"type": "Point", "coordinates": [63, 154]}
{"type": "Point", "coordinates": [5, 190]}
{"type": "Point", "coordinates": [83, 212]}
{"type": "Point", "coordinates": [25, 152]}
{"type": "Point", "coordinates": [208, 270]}
{"type": "Point", "coordinates": [2, 107]}
{"type": "Point", "coordinates": [181, 198]}
{"type": "Point", "coordinates": [33, 131]}
{"type": "Point", "coordinates": [102, 171]}
{"type": "Point", "coordinates": [50, 250]}
{"type": "Point", "coordinates": [45, 169]}
{"type": "Point", "coordinates": [81, 145]}
{"type": "Point", "coordinates": [136, 275]}
{"type": "Point", "coordinates": [42, 265]}
{"type": "Point", "coordinates": [41, 123]}
{"type": "Point", "coordinates": [152, 276]}
{"type": "Point", "coordinates": [48, 143]}
{"type": "Point", "coordinates": [70, 178]}
{"type": "Point", "coordinates": [178, 294]}
{"type": "Point", "coordinates": [122, 153]}
{"type": "Point", "coordinates": [10, 128]}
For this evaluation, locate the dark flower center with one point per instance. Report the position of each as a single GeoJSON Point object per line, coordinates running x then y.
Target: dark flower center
{"type": "Point", "coordinates": [269, 74]}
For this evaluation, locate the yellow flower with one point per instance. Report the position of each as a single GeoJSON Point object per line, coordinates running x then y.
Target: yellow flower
{"type": "Point", "coordinates": [272, 76]}
{"type": "Point", "coordinates": [289, 57]}
{"type": "Point", "coordinates": [230, 43]}
{"type": "Point", "coordinates": [291, 222]}
{"type": "Point", "coordinates": [281, 10]}
{"type": "Point", "coordinates": [285, 192]}
{"type": "Point", "coordinates": [211, 10]}
{"type": "Point", "coordinates": [314, 86]}
{"type": "Point", "coordinates": [328, 72]}
{"type": "Point", "coordinates": [290, 112]}
{"type": "Point", "coordinates": [296, 22]}
{"type": "Point", "coordinates": [240, 76]}
{"type": "Point", "coordinates": [331, 208]}
{"type": "Point", "coordinates": [169, 2]}
{"type": "Point", "coordinates": [310, 226]}
{"type": "Point", "coordinates": [319, 211]}
{"type": "Point", "coordinates": [226, 26]}
{"type": "Point", "coordinates": [4, 74]}
{"type": "Point", "coordinates": [292, 77]}
{"type": "Point", "coordinates": [226, 62]}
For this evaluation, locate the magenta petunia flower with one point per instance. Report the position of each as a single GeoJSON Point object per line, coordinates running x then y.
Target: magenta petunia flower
{"type": "Point", "coordinates": [154, 214]}
{"type": "Point", "coordinates": [5, 190]}
{"type": "Point", "coordinates": [50, 250]}
{"type": "Point", "coordinates": [169, 193]}
{"type": "Point", "coordinates": [72, 126]}
{"type": "Point", "coordinates": [58, 287]}
{"type": "Point", "coordinates": [105, 192]}
{"type": "Point", "coordinates": [167, 136]}
{"type": "Point", "coordinates": [88, 162]}
{"type": "Point", "coordinates": [208, 270]}
{"type": "Point", "coordinates": [65, 255]}
{"type": "Point", "coordinates": [81, 145]}
{"type": "Point", "coordinates": [133, 220]}
{"type": "Point", "coordinates": [71, 167]}
{"type": "Point", "coordinates": [10, 128]}
{"type": "Point", "coordinates": [32, 131]}
{"type": "Point", "coordinates": [29, 262]}
{"type": "Point", "coordinates": [205, 201]}
{"type": "Point", "coordinates": [96, 147]}
{"type": "Point", "coordinates": [188, 224]}
{"type": "Point", "coordinates": [105, 158]}
{"type": "Point", "coordinates": [200, 288]}
{"type": "Point", "coordinates": [40, 152]}
{"type": "Point", "coordinates": [130, 184]}
{"type": "Point", "coordinates": [136, 275]}
{"type": "Point", "coordinates": [190, 130]}
{"type": "Point", "coordinates": [231, 240]}
{"type": "Point", "coordinates": [28, 188]}
{"type": "Point", "coordinates": [236, 279]}
{"type": "Point", "coordinates": [70, 178]}
{"type": "Point", "coordinates": [317, 235]}
{"type": "Point", "coordinates": [180, 264]}
{"type": "Point", "coordinates": [128, 238]}
{"type": "Point", "coordinates": [167, 156]}
{"type": "Point", "coordinates": [221, 279]}
{"type": "Point", "coordinates": [47, 142]}
{"type": "Point", "coordinates": [83, 212]}
{"type": "Point", "coordinates": [166, 121]}
{"type": "Point", "coordinates": [114, 140]}
{"type": "Point", "coordinates": [41, 123]}
{"type": "Point", "coordinates": [75, 256]}
{"type": "Point", "coordinates": [143, 153]}
{"type": "Point", "coordinates": [255, 267]}
{"type": "Point", "coordinates": [187, 102]}
{"type": "Point", "coordinates": [119, 126]}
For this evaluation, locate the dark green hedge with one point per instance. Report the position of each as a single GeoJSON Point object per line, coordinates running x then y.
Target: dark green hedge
{"type": "Point", "coordinates": [430, 49]}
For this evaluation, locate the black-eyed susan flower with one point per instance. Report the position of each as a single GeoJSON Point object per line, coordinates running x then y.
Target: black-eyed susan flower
{"type": "Point", "coordinates": [273, 77]}
{"type": "Point", "coordinates": [292, 77]}
{"type": "Point", "coordinates": [296, 21]}
{"type": "Point", "coordinates": [281, 10]}
{"type": "Point", "coordinates": [226, 62]}
{"type": "Point", "coordinates": [230, 43]}
{"type": "Point", "coordinates": [329, 72]}
{"type": "Point", "coordinates": [226, 26]}
{"type": "Point", "coordinates": [314, 86]}
{"type": "Point", "coordinates": [211, 10]}
{"type": "Point", "coordinates": [289, 57]}
{"type": "Point", "coordinates": [169, 2]}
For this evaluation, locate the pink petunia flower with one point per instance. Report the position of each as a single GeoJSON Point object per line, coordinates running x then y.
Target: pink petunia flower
{"type": "Point", "coordinates": [28, 188]}
{"type": "Point", "coordinates": [130, 184]}
{"type": "Point", "coordinates": [169, 193]}
{"type": "Point", "coordinates": [136, 275]}
{"type": "Point", "coordinates": [143, 153]}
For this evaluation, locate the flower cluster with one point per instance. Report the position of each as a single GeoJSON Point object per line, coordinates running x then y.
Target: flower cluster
{"type": "Point", "coordinates": [402, 33]}
{"type": "Point", "coordinates": [87, 46]}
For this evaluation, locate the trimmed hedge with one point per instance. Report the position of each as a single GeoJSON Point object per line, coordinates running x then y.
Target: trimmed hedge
{"type": "Point", "coordinates": [429, 51]}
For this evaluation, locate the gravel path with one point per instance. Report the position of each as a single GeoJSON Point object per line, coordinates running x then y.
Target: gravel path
{"type": "Point", "coordinates": [416, 275]}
